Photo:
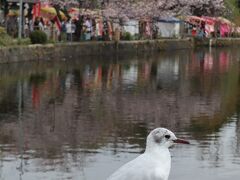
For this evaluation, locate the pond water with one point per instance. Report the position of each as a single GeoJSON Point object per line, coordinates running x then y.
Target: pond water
{"type": "Point", "coordinates": [84, 118]}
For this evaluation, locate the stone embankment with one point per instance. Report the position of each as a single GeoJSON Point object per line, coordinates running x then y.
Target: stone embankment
{"type": "Point", "coordinates": [65, 51]}
{"type": "Point", "coordinates": [75, 50]}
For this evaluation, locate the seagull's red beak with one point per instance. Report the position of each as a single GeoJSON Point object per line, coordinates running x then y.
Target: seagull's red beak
{"type": "Point", "coordinates": [181, 141]}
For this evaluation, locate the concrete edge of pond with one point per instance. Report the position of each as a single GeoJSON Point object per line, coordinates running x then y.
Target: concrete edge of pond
{"type": "Point", "coordinates": [64, 51]}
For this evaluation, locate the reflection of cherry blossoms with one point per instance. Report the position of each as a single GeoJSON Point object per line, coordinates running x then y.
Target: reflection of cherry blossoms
{"type": "Point", "coordinates": [149, 8]}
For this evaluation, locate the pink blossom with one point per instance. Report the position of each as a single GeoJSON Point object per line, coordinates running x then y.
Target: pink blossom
{"type": "Point", "coordinates": [150, 8]}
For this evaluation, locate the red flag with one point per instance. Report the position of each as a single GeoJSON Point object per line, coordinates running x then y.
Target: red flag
{"type": "Point", "coordinates": [36, 10]}
{"type": "Point", "coordinates": [57, 22]}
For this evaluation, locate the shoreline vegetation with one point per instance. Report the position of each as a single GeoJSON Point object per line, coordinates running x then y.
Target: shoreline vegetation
{"type": "Point", "coordinates": [6, 41]}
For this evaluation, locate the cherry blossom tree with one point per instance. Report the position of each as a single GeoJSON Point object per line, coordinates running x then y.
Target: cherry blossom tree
{"type": "Point", "coordinates": [149, 8]}
{"type": "Point", "coordinates": [76, 3]}
{"type": "Point", "coordinates": [132, 8]}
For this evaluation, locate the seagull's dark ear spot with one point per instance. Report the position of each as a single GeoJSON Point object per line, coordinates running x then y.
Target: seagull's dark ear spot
{"type": "Point", "coordinates": [157, 137]}
{"type": "Point", "coordinates": [167, 136]}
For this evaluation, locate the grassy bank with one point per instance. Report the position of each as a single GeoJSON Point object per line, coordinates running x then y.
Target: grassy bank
{"type": "Point", "coordinates": [6, 40]}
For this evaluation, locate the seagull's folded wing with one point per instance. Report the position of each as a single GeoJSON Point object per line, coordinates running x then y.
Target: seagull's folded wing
{"type": "Point", "coordinates": [139, 169]}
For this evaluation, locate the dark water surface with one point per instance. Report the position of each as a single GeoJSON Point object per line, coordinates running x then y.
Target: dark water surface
{"type": "Point", "coordinates": [72, 120]}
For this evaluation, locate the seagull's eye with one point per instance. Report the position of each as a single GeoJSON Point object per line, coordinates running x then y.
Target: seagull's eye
{"type": "Point", "coordinates": [167, 136]}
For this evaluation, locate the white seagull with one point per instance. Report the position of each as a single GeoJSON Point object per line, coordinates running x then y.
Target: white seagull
{"type": "Point", "coordinates": [155, 162]}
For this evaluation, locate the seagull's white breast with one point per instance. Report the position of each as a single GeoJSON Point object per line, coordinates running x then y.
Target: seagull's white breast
{"type": "Point", "coordinates": [148, 166]}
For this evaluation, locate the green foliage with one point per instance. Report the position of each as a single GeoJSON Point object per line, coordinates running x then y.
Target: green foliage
{"type": "Point", "coordinates": [38, 37]}
{"type": "Point", "coordinates": [127, 36]}
{"type": "Point", "coordinates": [25, 41]}
{"type": "Point", "coordinates": [231, 5]}
{"type": "Point", "coordinates": [51, 41]}
{"type": "Point", "coordinates": [136, 37]}
{"type": "Point", "coordinates": [5, 39]}
{"type": "Point", "coordinates": [2, 31]}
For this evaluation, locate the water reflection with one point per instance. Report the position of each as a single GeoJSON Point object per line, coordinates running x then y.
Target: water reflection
{"type": "Point", "coordinates": [82, 119]}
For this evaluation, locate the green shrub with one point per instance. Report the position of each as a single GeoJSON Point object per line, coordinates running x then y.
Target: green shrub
{"type": "Point", "coordinates": [127, 36]}
{"type": "Point", "coordinates": [38, 37]}
{"type": "Point", "coordinates": [136, 36]}
{"type": "Point", "coordinates": [24, 41]}
{"type": "Point", "coordinates": [2, 31]}
{"type": "Point", "coordinates": [5, 39]}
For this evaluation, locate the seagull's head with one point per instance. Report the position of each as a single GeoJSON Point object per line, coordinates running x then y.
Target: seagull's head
{"type": "Point", "coordinates": [162, 137]}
